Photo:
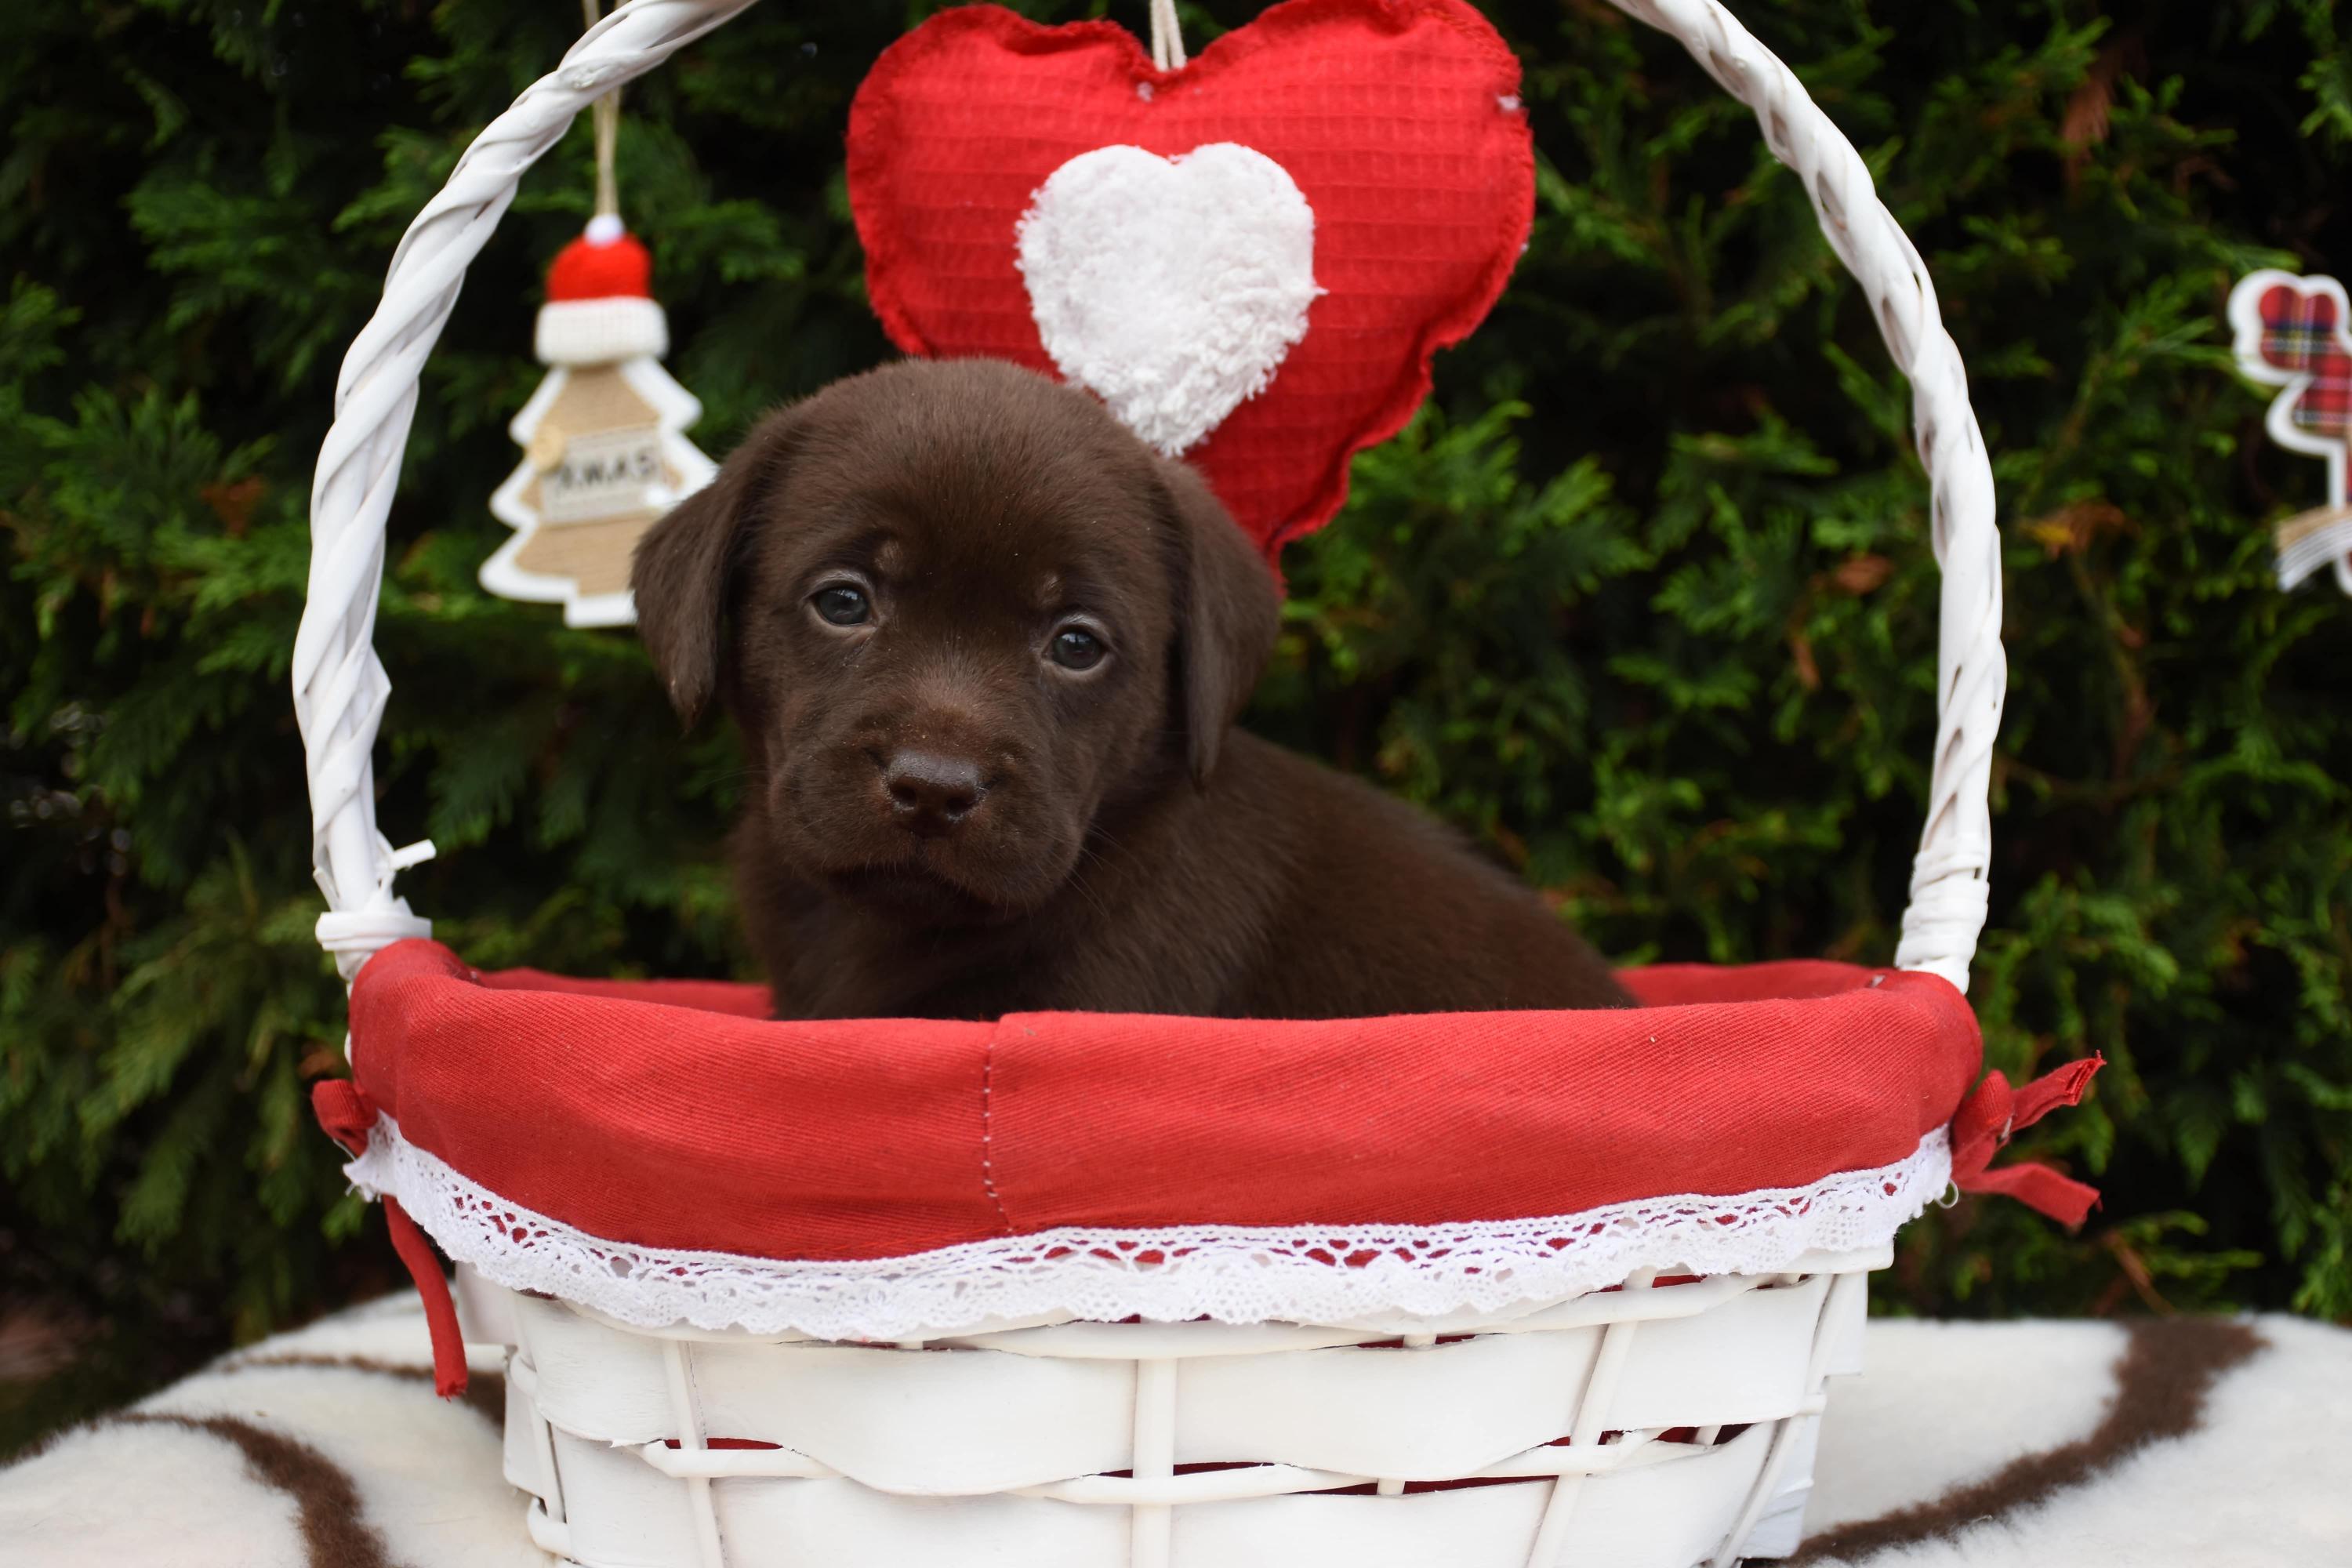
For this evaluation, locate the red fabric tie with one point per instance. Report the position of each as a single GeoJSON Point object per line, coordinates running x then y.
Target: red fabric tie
{"type": "Point", "coordinates": [346, 1113]}
{"type": "Point", "coordinates": [1994, 1113]}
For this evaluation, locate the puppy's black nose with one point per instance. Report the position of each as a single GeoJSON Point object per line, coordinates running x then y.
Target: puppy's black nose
{"type": "Point", "coordinates": [930, 793]}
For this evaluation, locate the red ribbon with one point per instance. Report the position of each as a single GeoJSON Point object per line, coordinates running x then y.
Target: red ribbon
{"type": "Point", "coordinates": [1991, 1116]}
{"type": "Point", "coordinates": [346, 1112]}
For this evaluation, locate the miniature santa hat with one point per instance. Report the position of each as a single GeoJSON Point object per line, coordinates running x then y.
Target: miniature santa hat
{"type": "Point", "coordinates": [600, 305]}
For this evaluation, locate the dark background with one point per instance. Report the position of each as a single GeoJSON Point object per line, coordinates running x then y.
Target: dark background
{"type": "Point", "coordinates": [1643, 599]}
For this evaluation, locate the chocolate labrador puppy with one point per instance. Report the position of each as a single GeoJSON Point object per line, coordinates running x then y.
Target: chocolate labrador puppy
{"type": "Point", "coordinates": [986, 649]}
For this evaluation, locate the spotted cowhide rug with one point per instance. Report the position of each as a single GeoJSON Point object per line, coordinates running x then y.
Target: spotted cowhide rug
{"type": "Point", "coordinates": [2181, 1441]}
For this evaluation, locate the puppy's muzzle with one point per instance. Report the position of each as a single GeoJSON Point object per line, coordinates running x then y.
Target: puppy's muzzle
{"type": "Point", "coordinates": [929, 794]}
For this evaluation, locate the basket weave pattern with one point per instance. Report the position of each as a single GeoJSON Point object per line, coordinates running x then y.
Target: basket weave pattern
{"type": "Point", "coordinates": [1649, 1425]}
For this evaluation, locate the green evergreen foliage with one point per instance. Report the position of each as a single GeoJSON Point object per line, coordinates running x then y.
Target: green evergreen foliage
{"type": "Point", "coordinates": [1643, 597]}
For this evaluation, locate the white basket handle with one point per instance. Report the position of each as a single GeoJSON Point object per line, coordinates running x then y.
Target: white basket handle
{"type": "Point", "coordinates": [340, 688]}
{"type": "Point", "coordinates": [1947, 911]}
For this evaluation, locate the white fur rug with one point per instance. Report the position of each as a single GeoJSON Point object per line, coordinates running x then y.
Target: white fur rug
{"type": "Point", "coordinates": [2037, 1444]}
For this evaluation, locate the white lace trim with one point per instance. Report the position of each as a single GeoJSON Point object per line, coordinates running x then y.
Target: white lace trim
{"type": "Point", "coordinates": [1232, 1274]}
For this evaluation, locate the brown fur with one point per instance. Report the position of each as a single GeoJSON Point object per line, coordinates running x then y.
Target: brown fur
{"type": "Point", "coordinates": [943, 822]}
{"type": "Point", "coordinates": [335, 1531]}
{"type": "Point", "coordinates": [485, 1394]}
{"type": "Point", "coordinates": [2168, 1370]}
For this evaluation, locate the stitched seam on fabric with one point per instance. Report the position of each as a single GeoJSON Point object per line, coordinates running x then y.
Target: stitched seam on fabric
{"type": "Point", "coordinates": [988, 1132]}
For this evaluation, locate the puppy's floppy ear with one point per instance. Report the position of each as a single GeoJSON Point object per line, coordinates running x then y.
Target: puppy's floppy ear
{"type": "Point", "coordinates": [1228, 610]}
{"type": "Point", "coordinates": [683, 564]}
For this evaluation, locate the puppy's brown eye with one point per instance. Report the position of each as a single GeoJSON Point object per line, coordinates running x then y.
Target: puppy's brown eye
{"type": "Point", "coordinates": [842, 604]}
{"type": "Point", "coordinates": [1074, 648]}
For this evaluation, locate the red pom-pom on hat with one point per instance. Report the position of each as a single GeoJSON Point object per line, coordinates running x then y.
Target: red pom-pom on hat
{"type": "Point", "coordinates": [604, 263]}
{"type": "Point", "coordinates": [600, 305]}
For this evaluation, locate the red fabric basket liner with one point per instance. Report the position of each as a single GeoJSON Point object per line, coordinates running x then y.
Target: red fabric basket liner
{"type": "Point", "coordinates": [668, 1114]}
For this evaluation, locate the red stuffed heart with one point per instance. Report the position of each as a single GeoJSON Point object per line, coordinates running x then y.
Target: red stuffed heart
{"type": "Point", "coordinates": [1176, 285]}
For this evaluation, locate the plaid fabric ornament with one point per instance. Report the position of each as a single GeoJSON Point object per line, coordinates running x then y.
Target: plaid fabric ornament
{"type": "Point", "coordinates": [2291, 332]}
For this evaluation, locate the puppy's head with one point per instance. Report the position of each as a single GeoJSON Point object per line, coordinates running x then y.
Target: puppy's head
{"type": "Point", "coordinates": [956, 610]}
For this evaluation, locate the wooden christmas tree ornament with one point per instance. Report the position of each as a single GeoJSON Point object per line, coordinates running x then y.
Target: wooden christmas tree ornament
{"type": "Point", "coordinates": [604, 439]}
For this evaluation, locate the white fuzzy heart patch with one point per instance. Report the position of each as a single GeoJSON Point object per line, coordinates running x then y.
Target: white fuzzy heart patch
{"type": "Point", "coordinates": [1170, 287]}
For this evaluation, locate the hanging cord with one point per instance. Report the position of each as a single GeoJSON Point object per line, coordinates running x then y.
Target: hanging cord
{"type": "Point", "coordinates": [1167, 35]}
{"type": "Point", "coordinates": [607, 113]}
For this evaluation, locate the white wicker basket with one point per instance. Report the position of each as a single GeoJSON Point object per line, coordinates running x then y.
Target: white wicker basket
{"type": "Point", "coordinates": [1689, 1412]}
{"type": "Point", "coordinates": [1667, 1424]}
